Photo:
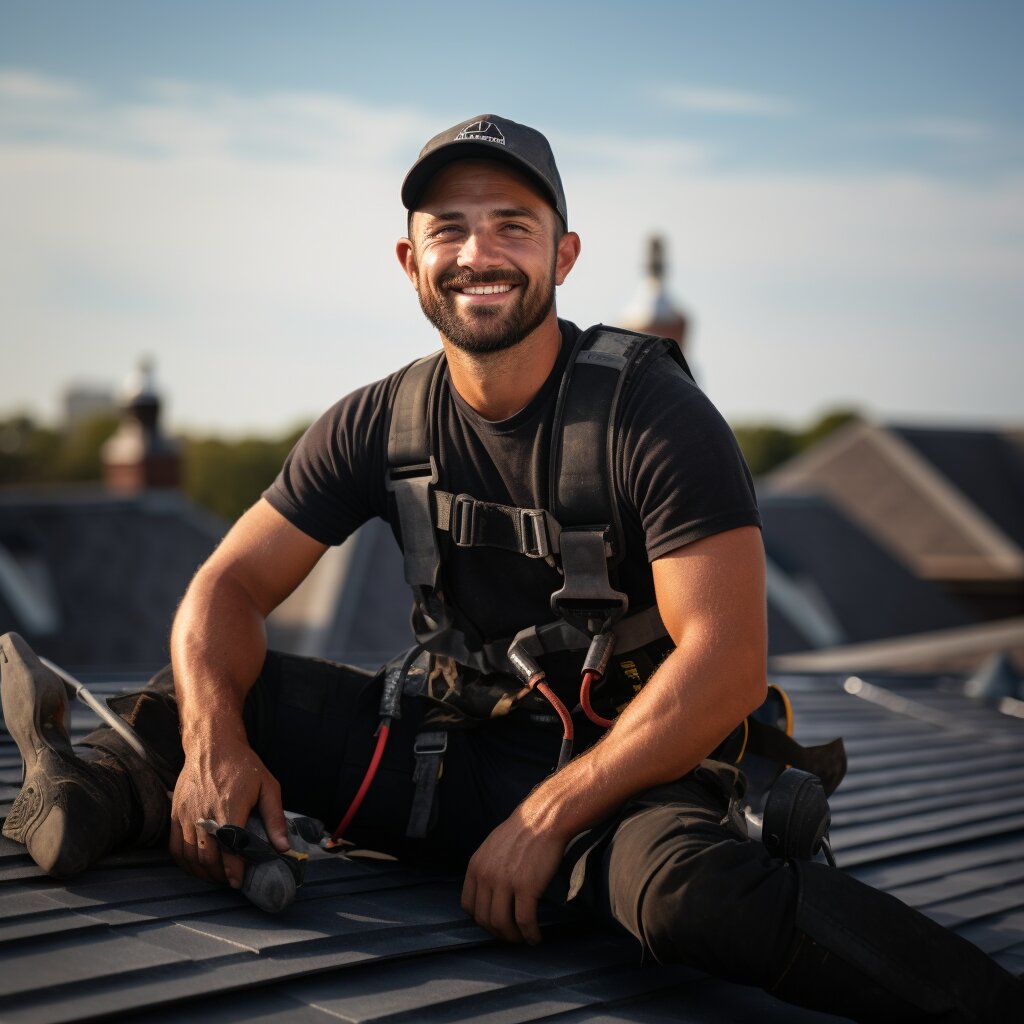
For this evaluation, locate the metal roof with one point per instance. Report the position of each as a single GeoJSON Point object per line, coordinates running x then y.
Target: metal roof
{"type": "Point", "coordinates": [932, 811]}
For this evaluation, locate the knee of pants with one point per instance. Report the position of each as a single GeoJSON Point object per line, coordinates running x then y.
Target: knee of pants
{"type": "Point", "coordinates": [728, 909]}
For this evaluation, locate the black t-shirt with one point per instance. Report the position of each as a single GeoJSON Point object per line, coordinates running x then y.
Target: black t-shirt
{"type": "Point", "coordinates": [679, 474]}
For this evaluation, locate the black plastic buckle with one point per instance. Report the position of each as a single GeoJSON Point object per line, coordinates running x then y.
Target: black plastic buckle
{"type": "Point", "coordinates": [534, 531]}
{"type": "Point", "coordinates": [462, 520]}
{"type": "Point", "coordinates": [430, 744]}
{"type": "Point", "coordinates": [401, 474]}
{"type": "Point", "coordinates": [587, 599]}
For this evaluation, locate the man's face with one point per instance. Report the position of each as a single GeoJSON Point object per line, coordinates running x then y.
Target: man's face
{"type": "Point", "coordinates": [484, 255]}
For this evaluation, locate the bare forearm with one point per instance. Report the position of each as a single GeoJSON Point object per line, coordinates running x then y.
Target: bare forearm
{"type": "Point", "coordinates": [682, 714]}
{"type": "Point", "coordinates": [218, 644]}
{"type": "Point", "coordinates": [711, 599]}
{"type": "Point", "coordinates": [219, 641]}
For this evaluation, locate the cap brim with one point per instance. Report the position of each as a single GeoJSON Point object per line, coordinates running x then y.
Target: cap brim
{"type": "Point", "coordinates": [423, 170]}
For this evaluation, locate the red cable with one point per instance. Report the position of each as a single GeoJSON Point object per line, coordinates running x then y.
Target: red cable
{"type": "Point", "coordinates": [560, 708]}
{"type": "Point", "coordinates": [565, 752]}
{"type": "Point", "coordinates": [382, 739]}
{"type": "Point", "coordinates": [357, 800]}
{"type": "Point", "coordinates": [589, 678]}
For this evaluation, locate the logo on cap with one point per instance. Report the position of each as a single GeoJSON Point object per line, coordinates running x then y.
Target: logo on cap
{"type": "Point", "coordinates": [481, 131]}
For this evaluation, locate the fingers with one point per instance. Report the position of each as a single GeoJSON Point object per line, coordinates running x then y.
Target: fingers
{"type": "Point", "coordinates": [194, 850]}
{"type": "Point", "coordinates": [272, 813]}
{"type": "Point", "coordinates": [198, 854]}
{"type": "Point", "coordinates": [526, 918]}
{"type": "Point", "coordinates": [175, 845]}
{"type": "Point", "coordinates": [226, 791]}
{"type": "Point", "coordinates": [502, 920]}
{"type": "Point", "coordinates": [504, 912]}
{"type": "Point", "coordinates": [469, 892]}
{"type": "Point", "coordinates": [210, 859]}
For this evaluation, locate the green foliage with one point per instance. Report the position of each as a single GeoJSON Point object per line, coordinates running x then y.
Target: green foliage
{"type": "Point", "coordinates": [229, 476]}
{"type": "Point", "coordinates": [825, 425]}
{"type": "Point", "coordinates": [224, 476]}
{"type": "Point", "coordinates": [78, 457]}
{"type": "Point", "coordinates": [766, 446]}
{"type": "Point", "coordinates": [32, 454]}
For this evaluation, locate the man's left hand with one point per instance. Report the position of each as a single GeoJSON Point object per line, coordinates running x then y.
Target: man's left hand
{"type": "Point", "coordinates": [508, 875]}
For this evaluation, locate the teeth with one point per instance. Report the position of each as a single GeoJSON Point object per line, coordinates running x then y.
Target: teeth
{"type": "Point", "coordinates": [488, 289]}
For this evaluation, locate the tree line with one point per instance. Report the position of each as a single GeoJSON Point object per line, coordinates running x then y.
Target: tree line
{"type": "Point", "coordinates": [224, 476]}
{"type": "Point", "coordinates": [227, 476]}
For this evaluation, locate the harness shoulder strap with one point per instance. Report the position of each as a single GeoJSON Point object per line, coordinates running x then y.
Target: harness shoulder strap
{"type": "Point", "coordinates": [584, 437]}
{"type": "Point", "coordinates": [412, 469]}
{"type": "Point", "coordinates": [584, 446]}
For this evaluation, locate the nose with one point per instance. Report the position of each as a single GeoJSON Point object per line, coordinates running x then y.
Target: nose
{"type": "Point", "coordinates": [480, 251]}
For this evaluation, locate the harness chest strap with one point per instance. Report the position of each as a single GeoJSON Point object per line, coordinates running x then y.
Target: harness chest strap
{"type": "Point", "coordinates": [581, 472]}
{"type": "Point", "coordinates": [581, 485]}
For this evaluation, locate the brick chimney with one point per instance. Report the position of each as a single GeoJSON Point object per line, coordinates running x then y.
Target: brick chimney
{"type": "Point", "coordinates": [138, 456]}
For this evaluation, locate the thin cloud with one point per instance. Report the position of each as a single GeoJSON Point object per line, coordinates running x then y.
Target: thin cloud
{"type": "Point", "coordinates": [184, 120]}
{"type": "Point", "coordinates": [726, 101]}
{"type": "Point", "coordinates": [198, 223]}
{"type": "Point", "coordinates": [28, 86]}
{"type": "Point", "coordinates": [960, 131]}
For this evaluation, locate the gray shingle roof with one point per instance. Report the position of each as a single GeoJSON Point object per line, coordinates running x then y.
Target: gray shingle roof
{"type": "Point", "coordinates": [932, 810]}
{"type": "Point", "coordinates": [987, 466]}
{"type": "Point", "coordinates": [870, 593]}
{"type": "Point", "coordinates": [116, 568]}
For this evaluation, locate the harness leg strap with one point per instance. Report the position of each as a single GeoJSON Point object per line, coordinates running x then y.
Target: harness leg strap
{"type": "Point", "coordinates": [429, 750]}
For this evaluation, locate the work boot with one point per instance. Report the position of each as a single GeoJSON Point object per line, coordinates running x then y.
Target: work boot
{"type": "Point", "coordinates": [863, 954]}
{"type": "Point", "coordinates": [71, 809]}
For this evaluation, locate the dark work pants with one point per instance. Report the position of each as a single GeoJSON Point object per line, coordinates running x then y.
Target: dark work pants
{"type": "Point", "coordinates": [673, 867]}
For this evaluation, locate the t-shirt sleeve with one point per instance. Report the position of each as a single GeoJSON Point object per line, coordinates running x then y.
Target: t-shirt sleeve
{"type": "Point", "coordinates": [682, 473]}
{"type": "Point", "coordinates": [333, 479]}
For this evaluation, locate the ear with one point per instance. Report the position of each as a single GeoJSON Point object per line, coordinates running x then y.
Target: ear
{"type": "Point", "coordinates": [407, 258]}
{"type": "Point", "coordinates": [566, 254]}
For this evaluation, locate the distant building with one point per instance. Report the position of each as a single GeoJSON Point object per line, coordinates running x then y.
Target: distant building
{"type": "Point", "coordinates": [947, 501]}
{"type": "Point", "coordinates": [83, 402]}
{"type": "Point", "coordinates": [91, 575]}
{"type": "Point", "coordinates": [652, 310]}
{"type": "Point", "coordinates": [139, 456]}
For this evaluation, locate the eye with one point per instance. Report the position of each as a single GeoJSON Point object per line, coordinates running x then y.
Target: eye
{"type": "Point", "coordinates": [444, 231]}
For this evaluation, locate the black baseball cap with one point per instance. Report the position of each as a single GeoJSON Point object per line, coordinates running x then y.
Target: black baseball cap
{"type": "Point", "coordinates": [488, 137]}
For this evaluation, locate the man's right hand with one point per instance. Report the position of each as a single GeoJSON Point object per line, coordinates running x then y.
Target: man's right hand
{"type": "Point", "coordinates": [223, 781]}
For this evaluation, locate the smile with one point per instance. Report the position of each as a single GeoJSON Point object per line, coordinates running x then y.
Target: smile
{"type": "Point", "coordinates": [487, 289]}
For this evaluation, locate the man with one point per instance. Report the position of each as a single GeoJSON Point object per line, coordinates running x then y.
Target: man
{"type": "Point", "coordinates": [637, 828]}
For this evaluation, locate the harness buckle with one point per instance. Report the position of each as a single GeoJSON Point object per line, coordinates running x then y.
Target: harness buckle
{"type": "Point", "coordinates": [587, 599]}
{"type": "Point", "coordinates": [534, 531]}
{"type": "Point", "coordinates": [399, 474]}
{"type": "Point", "coordinates": [430, 744]}
{"type": "Point", "coordinates": [463, 520]}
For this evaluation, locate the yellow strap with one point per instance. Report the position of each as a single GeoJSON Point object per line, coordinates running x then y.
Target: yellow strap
{"type": "Point", "coordinates": [787, 704]}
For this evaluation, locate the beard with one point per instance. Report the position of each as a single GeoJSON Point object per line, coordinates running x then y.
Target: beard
{"type": "Point", "coordinates": [484, 329]}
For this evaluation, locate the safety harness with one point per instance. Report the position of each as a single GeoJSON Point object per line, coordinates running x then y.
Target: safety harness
{"type": "Point", "coordinates": [580, 535]}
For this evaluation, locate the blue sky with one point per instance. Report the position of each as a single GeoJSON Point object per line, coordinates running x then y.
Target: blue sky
{"type": "Point", "coordinates": [841, 186]}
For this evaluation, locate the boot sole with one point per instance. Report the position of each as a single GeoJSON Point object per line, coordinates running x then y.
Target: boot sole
{"type": "Point", "coordinates": [57, 790]}
{"type": "Point", "coordinates": [34, 700]}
